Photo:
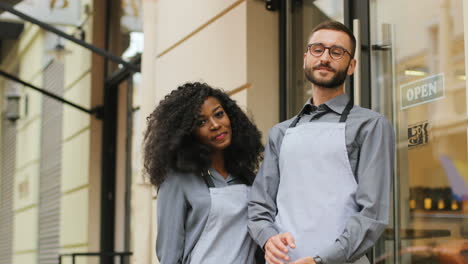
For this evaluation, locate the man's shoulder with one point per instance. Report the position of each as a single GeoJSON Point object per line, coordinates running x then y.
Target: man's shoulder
{"type": "Point", "coordinates": [366, 114]}
{"type": "Point", "coordinates": [282, 126]}
{"type": "Point", "coordinates": [276, 133]}
{"type": "Point", "coordinates": [368, 120]}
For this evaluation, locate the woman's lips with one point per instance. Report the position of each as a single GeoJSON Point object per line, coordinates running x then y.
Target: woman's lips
{"type": "Point", "coordinates": [220, 136]}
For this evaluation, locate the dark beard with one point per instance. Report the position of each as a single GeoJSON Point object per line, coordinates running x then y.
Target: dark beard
{"type": "Point", "coordinates": [337, 80]}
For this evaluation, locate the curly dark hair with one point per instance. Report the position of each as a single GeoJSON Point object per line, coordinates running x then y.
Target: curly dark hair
{"type": "Point", "coordinates": [170, 144]}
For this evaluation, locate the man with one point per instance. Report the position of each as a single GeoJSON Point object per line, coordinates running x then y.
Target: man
{"type": "Point", "coordinates": [322, 192]}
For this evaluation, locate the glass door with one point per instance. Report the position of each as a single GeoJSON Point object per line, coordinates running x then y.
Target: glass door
{"type": "Point", "coordinates": [418, 81]}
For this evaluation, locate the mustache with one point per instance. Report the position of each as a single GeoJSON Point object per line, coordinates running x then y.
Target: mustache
{"type": "Point", "coordinates": [323, 66]}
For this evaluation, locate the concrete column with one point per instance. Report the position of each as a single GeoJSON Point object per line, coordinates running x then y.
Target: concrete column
{"type": "Point", "coordinates": [143, 219]}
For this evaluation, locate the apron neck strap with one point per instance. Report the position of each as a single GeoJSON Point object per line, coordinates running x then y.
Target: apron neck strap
{"type": "Point", "coordinates": [346, 111]}
{"type": "Point", "coordinates": [343, 118]}
{"type": "Point", "coordinates": [295, 121]}
{"type": "Point", "coordinates": [206, 175]}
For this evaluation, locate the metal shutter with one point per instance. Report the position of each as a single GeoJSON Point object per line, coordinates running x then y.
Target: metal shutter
{"type": "Point", "coordinates": [6, 189]}
{"type": "Point", "coordinates": [50, 167]}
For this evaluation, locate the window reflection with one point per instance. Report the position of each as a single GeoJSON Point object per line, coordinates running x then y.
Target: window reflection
{"type": "Point", "coordinates": [432, 135]}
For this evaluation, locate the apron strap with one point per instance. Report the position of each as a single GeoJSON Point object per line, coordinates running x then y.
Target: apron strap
{"type": "Point", "coordinates": [346, 111]}
{"type": "Point", "coordinates": [296, 120]}
{"type": "Point", "coordinates": [305, 109]}
{"type": "Point", "coordinates": [344, 115]}
{"type": "Point", "coordinates": [206, 175]}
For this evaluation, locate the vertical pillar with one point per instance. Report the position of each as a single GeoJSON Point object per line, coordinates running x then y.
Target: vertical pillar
{"type": "Point", "coordinates": [143, 219]}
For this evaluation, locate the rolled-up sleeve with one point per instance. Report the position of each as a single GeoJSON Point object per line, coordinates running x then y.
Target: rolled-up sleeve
{"type": "Point", "coordinates": [262, 206]}
{"type": "Point", "coordinates": [374, 174]}
{"type": "Point", "coordinates": [171, 208]}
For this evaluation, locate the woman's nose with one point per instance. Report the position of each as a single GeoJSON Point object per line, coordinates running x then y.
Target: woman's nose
{"type": "Point", "coordinates": [214, 124]}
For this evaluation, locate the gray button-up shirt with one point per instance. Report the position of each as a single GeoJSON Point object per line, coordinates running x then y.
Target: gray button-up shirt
{"type": "Point", "coordinates": [370, 143]}
{"type": "Point", "coordinates": [184, 204]}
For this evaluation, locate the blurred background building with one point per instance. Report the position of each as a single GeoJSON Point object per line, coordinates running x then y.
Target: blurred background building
{"type": "Point", "coordinates": [71, 178]}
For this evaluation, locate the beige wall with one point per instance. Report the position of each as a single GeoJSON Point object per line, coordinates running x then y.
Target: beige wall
{"type": "Point", "coordinates": [75, 219]}
{"type": "Point", "coordinates": [26, 183]}
{"type": "Point", "coordinates": [217, 54]}
{"type": "Point", "coordinates": [142, 217]}
{"type": "Point", "coordinates": [262, 65]}
{"type": "Point", "coordinates": [75, 207]}
{"type": "Point", "coordinates": [228, 44]}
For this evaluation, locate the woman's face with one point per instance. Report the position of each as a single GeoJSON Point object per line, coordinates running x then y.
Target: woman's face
{"type": "Point", "coordinates": [212, 125]}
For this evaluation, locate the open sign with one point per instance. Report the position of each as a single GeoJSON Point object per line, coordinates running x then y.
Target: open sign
{"type": "Point", "coordinates": [422, 91]}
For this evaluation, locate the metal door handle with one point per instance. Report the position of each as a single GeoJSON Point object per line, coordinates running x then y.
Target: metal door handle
{"type": "Point", "coordinates": [357, 56]}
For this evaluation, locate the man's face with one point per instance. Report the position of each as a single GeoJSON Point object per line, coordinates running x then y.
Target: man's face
{"type": "Point", "coordinates": [325, 71]}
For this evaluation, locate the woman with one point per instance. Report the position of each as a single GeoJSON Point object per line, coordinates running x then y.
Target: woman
{"type": "Point", "coordinates": [201, 152]}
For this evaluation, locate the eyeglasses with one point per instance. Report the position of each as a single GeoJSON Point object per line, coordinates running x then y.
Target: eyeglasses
{"type": "Point", "coordinates": [336, 52]}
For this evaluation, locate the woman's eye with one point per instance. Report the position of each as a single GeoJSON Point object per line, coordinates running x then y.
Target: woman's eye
{"type": "Point", "coordinates": [200, 122]}
{"type": "Point", "coordinates": [219, 114]}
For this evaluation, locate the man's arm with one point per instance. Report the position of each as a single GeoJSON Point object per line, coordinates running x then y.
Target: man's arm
{"type": "Point", "coordinates": [262, 204]}
{"type": "Point", "coordinates": [374, 173]}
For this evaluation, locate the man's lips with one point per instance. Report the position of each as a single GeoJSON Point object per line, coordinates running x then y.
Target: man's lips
{"type": "Point", "coordinates": [324, 68]}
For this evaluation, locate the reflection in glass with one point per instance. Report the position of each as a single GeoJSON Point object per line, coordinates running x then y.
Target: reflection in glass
{"type": "Point", "coordinates": [428, 41]}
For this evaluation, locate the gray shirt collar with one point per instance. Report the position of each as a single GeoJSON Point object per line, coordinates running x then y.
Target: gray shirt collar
{"type": "Point", "coordinates": [219, 179]}
{"type": "Point", "coordinates": [336, 104]}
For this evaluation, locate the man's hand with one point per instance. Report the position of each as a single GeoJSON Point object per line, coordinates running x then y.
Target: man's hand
{"type": "Point", "coordinates": [276, 248]}
{"type": "Point", "coordinates": [306, 260]}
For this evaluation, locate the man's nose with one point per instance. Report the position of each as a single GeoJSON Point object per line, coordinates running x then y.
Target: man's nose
{"type": "Point", "coordinates": [325, 55]}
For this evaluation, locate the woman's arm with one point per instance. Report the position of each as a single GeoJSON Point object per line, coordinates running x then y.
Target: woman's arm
{"type": "Point", "coordinates": [171, 214]}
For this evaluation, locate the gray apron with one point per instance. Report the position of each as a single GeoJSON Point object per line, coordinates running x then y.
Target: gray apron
{"type": "Point", "coordinates": [316, 194]}
{"type": "Point", "coordinates": [225, 238]}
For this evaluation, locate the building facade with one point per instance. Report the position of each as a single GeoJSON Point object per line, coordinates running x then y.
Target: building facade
{"type": "Point", "coordinates": [60, 177]}
{"type": "Point", "coordinates": [72, 181]}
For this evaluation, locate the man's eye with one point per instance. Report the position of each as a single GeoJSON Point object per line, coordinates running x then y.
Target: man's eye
{"type": "Point", "coordinates": [337, 51]}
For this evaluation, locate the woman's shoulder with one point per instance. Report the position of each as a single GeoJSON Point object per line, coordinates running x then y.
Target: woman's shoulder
{"type": "Point", "coordinates": [181, 184]}
{"type": "Point", "coordinates": [179, 179]}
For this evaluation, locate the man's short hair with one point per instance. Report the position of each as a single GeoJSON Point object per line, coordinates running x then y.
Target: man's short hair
{"type": "Point", "coordinates": [337, 26]}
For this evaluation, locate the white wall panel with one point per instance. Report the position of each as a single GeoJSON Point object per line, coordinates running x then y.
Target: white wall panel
{"type": "Point", "coordinates": [74, 218]}
{"type": "Point", "coordinates": [25, 258]}
{"type": "Point", "coordinates": [28, 142]}
{"type": "Point", "coordinates": [26, 186]}
{"type": "Point", "coordinates": [25, 230]}
{"type": "Point", "coordinates": [75, 161]}
{"type": "Point", "coordinates": [178, 18]}
{"type": "Point", "coordinates": [216, 55]}
{"type": "Point", "coordinates": [75, 120]}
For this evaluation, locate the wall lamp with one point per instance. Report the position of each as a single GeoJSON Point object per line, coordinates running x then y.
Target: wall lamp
{"type": "Point", "coordinates": [13, 106]}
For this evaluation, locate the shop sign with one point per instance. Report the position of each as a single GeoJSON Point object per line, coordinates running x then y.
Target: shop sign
{"type": "Point", "coordinates": [422, 91]}
{"type": "Point", "coordinates": [418, 134]}
{"type": "Point", "coordinates": [56, 12]}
